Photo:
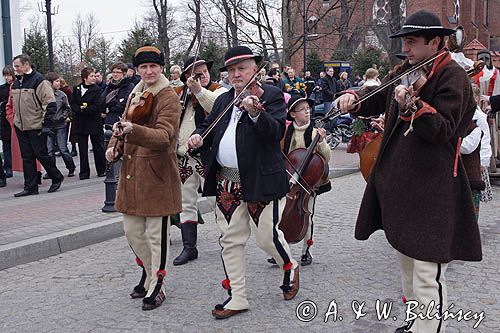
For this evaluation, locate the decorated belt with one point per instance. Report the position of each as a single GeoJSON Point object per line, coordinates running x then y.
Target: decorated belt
{"type": "Point", "coordinates": [231, 174]}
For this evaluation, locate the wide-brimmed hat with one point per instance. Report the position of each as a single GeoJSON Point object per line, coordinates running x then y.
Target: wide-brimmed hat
{"type": "Point", "coordinates": [194, 61]}
{"type": "Point", "coordinates": [423, 23]}
{"type": "Point", "coordinates": [294, 100]}
{"type": "Point", "coordinates": [148, 54]}
{"type": "Point", "coordinates": [238, 54]}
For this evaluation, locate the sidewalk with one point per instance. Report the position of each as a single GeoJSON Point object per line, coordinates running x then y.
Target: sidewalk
{"type": "Point", "coordinates": [39, 226]}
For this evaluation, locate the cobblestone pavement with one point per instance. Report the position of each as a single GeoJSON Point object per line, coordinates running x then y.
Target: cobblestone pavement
{"type": "Point", "coordinates": [86, 290]}
{"type": "Point", "coordinates": [77, 203]}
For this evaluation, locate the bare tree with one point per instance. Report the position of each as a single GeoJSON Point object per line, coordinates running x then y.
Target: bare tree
{"type": "Point", "coordinates": [86, 32]}
{"type": "Point", "coordinates": [293, 38]}
{"type": "Point", "coordinates": [164, 20]}
{"type": "Point", "coordinates": [66, 59]}
{"type": "Point", "coordinates": [195, 8]}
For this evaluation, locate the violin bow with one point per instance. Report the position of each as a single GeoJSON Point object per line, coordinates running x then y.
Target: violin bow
{"type": "Point", "coordinates": [196, 54]}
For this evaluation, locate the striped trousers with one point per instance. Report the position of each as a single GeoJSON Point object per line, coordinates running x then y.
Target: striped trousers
{"type": "Point", "coordinates": [237, 220]}
{"type": "Point", "coordinates": [425, 283]}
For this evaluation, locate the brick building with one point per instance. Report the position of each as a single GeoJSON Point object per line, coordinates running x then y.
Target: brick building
{"type": "Point", "coordinates": [369, 24]}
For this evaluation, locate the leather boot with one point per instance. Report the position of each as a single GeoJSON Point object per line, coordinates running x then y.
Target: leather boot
{"type": "Point", "coordinates": [189, 234]}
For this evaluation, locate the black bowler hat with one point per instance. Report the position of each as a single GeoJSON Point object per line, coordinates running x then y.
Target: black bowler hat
{"type": "Point", "coordinates": [193, 61]}
{"type": "Point", "coordinates": [423, 23]}
{"type": "Point", "coordinates": [238, 54]}
{"type": "Point", "coordinates": [147, 54]}
{"type": "Point", "coordinates": [294, 100]}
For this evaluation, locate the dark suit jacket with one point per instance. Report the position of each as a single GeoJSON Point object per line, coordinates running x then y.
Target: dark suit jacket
{"type": "Point", "coordinates": [260, 162]}
{"type": "Point", "coordinates": [87, 120]}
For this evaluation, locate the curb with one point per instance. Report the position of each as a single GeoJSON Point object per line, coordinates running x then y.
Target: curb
{"type": "Point", "coordinates": [41, 247]}
{"type": "Point", "coordinates": [340, 172]}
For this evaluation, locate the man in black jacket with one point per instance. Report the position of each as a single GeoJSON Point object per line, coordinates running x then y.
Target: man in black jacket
{"type": "Point", "coordinates": [328, 89]}
{"type": "Point", "coordinates": [247, 175]}
{"type": "Point", "coordinates": [34, 106]}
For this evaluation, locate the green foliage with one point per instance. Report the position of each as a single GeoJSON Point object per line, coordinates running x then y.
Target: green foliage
{"type": "Point", "coordinates": [314, 63]}
{"type": "Point", "coordinates": [361, 61]}
{"type": "Point", "coordinates": [35, 45]}
{"type": "Point", "coordinates": [341, 55]}
{"type": "Point", "coordinates": [137, 37]}
{"type": "Point", "coordinates": [210, 50]}
{"type": "Point", "coordinates": [103, 55]}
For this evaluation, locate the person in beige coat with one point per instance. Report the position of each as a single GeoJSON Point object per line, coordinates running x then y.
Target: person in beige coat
{"type": "Point", "coordinates": [149, 186]}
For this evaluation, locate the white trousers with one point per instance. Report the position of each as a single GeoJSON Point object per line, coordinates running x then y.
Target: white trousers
{"type": "Point", "coordinates": [149, 239]}
{"type": "Point", "coordinates": [236, 220]}
{"type": "Point", "coordinates": [425, 282]}
{"type": "Point", "coordinates": [192, 173]}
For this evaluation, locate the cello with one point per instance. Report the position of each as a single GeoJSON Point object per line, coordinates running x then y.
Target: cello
{"type": "Point", "coordinates": [307, 171]}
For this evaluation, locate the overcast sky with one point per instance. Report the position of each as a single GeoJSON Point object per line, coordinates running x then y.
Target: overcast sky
{"type": "Point", "coordinates": [116, 17]}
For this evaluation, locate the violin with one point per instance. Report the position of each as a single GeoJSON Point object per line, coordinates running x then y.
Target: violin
{"type": "Point", "coordinates": [255, 87]}
{"type": "Point", "coordinates": [137, 113]}
{"type": "Point", "coordinates": [307, 171]}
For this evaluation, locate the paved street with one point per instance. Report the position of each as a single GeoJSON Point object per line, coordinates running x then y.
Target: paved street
{"type": "Point", "coordinates": [86, 290]}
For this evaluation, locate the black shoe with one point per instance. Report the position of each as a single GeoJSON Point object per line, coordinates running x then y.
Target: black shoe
{"type": "Point", "coordinates": [3, 182]}
{"type": "Point", "coordinates": [138, 292]}
{"type": "Point", "coordinates": [101, 174]}
{"type": "Point", "coordinates": [8, 174]}
{"type": "Point", "coordinates": [149, 304]}
{"type": "Point", "coordinates": [71, 173]}
{"type": "Point", "coordinates": [39, 178]}
{"type": "Point", "coordinates": [84, 177]}
{"type": "Point", "coordinates": [25, 193]}
{"type": "Point", "coordinates": [189, 234]}
{"type": "Point", "coordinates": [74, 153]}
{"type": "Point", "coordinates": [56, 184]}
{"type": "Point", "coordinates": [46, 176]}
{"type": "Point", "coordinates": [272, 261]}
{"type": "Point", "coordinates": [306, 259]}
{"type": "Point", "coordinates": [57, 153]}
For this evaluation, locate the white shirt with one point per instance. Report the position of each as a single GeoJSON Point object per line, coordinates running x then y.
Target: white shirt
{"type": "Point", "coordinates": [226, 155]}
{"type": "Point", "coordinates": [482, 122]}
{"type": "Point", "coordinates": [480, 135]}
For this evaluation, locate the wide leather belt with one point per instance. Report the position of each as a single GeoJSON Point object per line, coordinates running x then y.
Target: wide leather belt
{"type": "Point", "coordinates": [230, 174]}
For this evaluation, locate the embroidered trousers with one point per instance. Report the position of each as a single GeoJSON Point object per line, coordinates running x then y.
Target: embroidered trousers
{"type": "Point", "coordinates": [192, 174]}
{"type": "Point", "coordinates": [236, 220]}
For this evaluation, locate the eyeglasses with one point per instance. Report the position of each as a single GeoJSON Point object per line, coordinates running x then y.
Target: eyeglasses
{"type": "Point", "coordinates": [302, 110]}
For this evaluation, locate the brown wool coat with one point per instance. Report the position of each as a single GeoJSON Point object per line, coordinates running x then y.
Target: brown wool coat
{"type": "Point", "coordinates": [149, 183]}
{"type": "Point", "coordinates": [412, 193]}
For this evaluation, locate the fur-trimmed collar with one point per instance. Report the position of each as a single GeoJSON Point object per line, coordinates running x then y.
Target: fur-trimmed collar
{"type": "Point", "coordinates": [154, 89]}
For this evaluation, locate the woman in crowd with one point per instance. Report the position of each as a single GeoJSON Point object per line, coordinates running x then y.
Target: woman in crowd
{"type": "Point", "coordinates": [114, 97]}
{"type": "Point", "coordinates": [86, 107]}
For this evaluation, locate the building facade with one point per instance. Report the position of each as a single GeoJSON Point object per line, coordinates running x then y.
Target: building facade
{"type": "Point", "coordinates": [369, 23]}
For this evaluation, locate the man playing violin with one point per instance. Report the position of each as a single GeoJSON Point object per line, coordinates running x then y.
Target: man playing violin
{"type": "Point", "coordinates": [247, 175]}
{"type": "Point", "coordinates": [149, 185]}
{"type": "Point", "coordinates": [418, 191]}
{"type": "Point", "coordinates": [199, 94]}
